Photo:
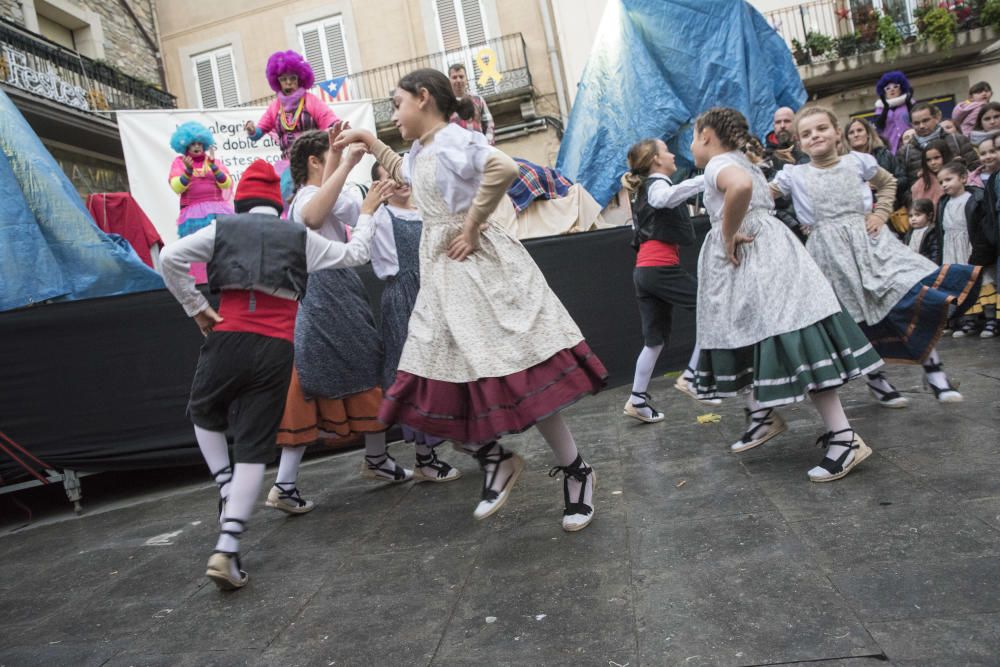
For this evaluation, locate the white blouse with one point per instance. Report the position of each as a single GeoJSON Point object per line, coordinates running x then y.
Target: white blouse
{"type": "Point", "coordinates": [461, 156]}
{"type": "Point", "coordinates": [345, 212]}
{"type": "Point", "coordinates": [385, 261]}
{"type": "Point", "coordinates": [792, 181]}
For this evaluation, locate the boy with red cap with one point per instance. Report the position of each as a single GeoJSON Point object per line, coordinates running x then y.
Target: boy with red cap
{"type": "Point", "coordinates": [259, 263]}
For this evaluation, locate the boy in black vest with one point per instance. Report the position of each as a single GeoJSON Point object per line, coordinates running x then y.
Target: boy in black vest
{"type": "Point", "coordinates": [259, 264]}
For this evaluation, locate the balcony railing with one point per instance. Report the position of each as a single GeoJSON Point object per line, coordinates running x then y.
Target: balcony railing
{"type": "Point", "coordinates": [45, 69]}
{"type": "Point", "coordinates": [825, 30]}
{"type": "Point", "coordinates": [377, 84]}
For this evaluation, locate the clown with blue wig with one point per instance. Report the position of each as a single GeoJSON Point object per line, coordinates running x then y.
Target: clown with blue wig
{"type": "Point", "coordinates": [203, 183]}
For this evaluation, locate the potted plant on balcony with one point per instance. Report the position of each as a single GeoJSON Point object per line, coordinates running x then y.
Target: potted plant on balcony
{"type": "Point", "coordinates": [889, 36]}
{"type": "Point", "coordinates": [818, 44]}
{"type": "Point", "coordinates": [847, 45]}
{"type": "Point", "coordinates": [937, 25]}
{"type": "Point", "coordinates": [989, 14]}
{"type": "Point", "coordinates": [799, 52]}
{"type": "Point", "coordinates": [866, 23]}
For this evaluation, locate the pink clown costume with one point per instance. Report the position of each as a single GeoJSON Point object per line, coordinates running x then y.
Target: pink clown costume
{"type": "Point", "coordinates": [205, 187]}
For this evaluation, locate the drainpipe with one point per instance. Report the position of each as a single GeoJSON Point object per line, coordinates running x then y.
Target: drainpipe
{"type": "Point", "coordinates": [550, 45]}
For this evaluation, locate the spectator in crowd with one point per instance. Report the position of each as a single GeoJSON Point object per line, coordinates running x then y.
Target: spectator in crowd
{"type": "Point", "coordinates": [894, 107]}
{"type": "Point", "coordinates": [987, 122]}
{"type": "Point", "coordinates": [780, 148]}
{"type": "Point", "coordinates": [949, 127]}
{"type": "Point", "coordinates": [926, 185]}
{"type": "Point", "coordinates": [967, 113]}
{"type": "Point", "coordinates": [481, 119]}
{"type": "Point", "coordinates": [861, 136]}
{"type": "Point", "coordinates": [926, 120]}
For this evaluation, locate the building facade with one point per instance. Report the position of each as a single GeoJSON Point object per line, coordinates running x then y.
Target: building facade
{"type": "Point", "coordinates": [68, 65]}
{"type": "Point", "coordinates": [215, 54]}
{"type": "Point", "coordinates": [841, 54]}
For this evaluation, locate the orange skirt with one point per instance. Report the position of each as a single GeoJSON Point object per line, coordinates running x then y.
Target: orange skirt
{"type": "Point", "coordinates": [335, 422]}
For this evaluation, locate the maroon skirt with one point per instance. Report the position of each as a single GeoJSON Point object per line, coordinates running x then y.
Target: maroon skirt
{"type": "Point", "coordinates": [485, 409]}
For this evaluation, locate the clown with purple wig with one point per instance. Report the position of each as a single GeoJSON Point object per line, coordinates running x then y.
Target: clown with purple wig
{"type": "Point", "coordinates": [294, 111]}
{"type": "Point", "coordinates": [202, 181]}
{"type": "Point", "coordinates": [892, 110]}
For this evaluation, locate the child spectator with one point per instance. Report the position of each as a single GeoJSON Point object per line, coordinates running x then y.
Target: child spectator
{"type": "Point", "coordinates": [966, 113]}
{"type": "Point", "coordinates": [987, 122]}
{"type": "Point", "coordinates": [969, 236]}
{"type": "Point", "coordinates": [921, 237]}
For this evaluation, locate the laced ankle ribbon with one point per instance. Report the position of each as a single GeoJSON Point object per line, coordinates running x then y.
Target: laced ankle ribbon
{"type": "Point", "coordinates": [579, 472]}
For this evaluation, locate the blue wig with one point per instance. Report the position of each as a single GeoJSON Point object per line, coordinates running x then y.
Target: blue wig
{"type": "Point", "coordinates": [189, 133]}
{"type": "Point", "coordinates": [894, 76]}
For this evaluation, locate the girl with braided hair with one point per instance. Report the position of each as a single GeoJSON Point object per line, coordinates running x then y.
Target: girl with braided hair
{"type": "Point", "coordinates": [780, 352]}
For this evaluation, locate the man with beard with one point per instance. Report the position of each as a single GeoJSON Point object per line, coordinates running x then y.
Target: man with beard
{"type": "Point", "coordinates": [780, 148]}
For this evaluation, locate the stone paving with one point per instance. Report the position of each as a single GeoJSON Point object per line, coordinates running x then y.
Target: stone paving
{"type": "Point", "coordinates": [697, 557]}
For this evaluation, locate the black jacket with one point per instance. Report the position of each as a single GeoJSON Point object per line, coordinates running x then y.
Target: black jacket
{"type": "Point", "coordinates": [982, 227]}
{"type": "Point", "coordinates": [930, 245]}
{"type": "Point", "coordinates": [670, 225]}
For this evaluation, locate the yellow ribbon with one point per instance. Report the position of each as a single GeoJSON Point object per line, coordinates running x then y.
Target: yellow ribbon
{"type": "Point", "coordinates": [486, 59]}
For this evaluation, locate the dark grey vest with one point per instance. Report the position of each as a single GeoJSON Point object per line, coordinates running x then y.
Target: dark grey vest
{"type": "Point", "coordinates": [670, 225]}
{"type": "Point", "coordinates": [254, 249]}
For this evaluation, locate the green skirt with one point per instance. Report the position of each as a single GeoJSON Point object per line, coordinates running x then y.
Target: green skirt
{"type": "Point", "coordinates": [783, 369]}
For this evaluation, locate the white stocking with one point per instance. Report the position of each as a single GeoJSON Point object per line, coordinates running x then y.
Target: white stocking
{"type": "Point", "coordinates": [644, 367]}
{"type": "Point", "coordinates": [215, 451]}
{"type": "Point", "coordinates": [288, 466]}
{"type": "Point", "coordinates": [243, 492]}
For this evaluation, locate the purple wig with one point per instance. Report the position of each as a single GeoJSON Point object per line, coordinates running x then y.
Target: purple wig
{"type": "Point", "coordinates": [895, 76]}
{"type": "Point", "coordinates": [289, 62]}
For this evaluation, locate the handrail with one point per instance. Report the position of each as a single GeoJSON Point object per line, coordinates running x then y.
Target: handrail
{"type": "Point", "coordinates": [46, 69]}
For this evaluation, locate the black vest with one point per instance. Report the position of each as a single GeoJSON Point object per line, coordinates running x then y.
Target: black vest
{"type": "Point", "coordinates": [258, 250]}
{"type": "Point", "coordinates": [670, 225]}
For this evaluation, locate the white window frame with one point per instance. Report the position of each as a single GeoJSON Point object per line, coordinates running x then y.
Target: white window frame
{"type": "Point", "coordinates": [320, 26]}
{"type": "Point", "coordinates": [213, 58]}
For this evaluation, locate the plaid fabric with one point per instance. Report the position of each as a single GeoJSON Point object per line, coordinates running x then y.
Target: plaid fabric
{"type": "Point", "coordinates": [536, 182]}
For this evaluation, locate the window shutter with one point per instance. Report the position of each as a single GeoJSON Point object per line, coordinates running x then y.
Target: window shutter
{"type": "Point", "coordinates": [227, 79]}
{"type": "Point", "coordinates": [472, 18]}
{"type": "Point", "coordinates": [336, 49]}
{"type": "Point", "coordinates": [313, 50]}
{"type": "Point", "coordinates": [206, 83]}
{"type": "Point", "coordinates": [451, 36]}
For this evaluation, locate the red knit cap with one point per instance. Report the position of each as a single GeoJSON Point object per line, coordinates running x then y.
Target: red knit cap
{"type": "Point", "coordinates": [260, 183]}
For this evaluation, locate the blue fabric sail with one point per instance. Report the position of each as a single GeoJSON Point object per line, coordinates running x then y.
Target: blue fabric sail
{"type": "Point", "coordinates": [656, 65]}
{"type": "Point", "coordinates": [50, 248]}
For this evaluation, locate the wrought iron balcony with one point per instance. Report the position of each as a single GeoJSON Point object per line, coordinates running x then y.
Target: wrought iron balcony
{"type": "Point", "coordinates": [33, 64]}
{"type": "Point", "coordinates": [511, 64]}
{"type": "Point", "coordinates": [826, 30]}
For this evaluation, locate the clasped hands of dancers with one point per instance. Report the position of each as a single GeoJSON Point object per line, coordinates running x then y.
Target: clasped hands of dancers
{"type": "Point", "coordinates": [477, 345]}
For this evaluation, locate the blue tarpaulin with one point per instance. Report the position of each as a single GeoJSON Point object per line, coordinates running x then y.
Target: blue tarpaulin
{"type": "Point", "coordinates": [50, 248]}
{"type": "Point", "coordinates": [656, 65]}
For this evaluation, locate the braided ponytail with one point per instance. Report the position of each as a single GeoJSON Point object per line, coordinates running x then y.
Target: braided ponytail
{"type": "Point", "coordinates": [308, 144]}
{"type": "Point", "coordinates": [733, 131]}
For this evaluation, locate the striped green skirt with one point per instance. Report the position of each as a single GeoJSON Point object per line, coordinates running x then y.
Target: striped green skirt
{"type": "Point", "coordinates": [783, 369]}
